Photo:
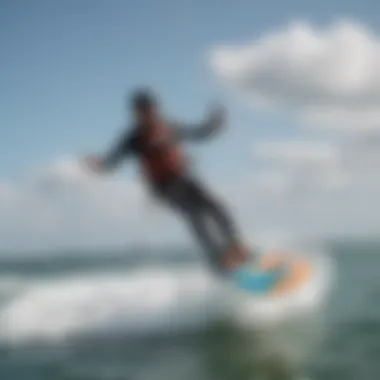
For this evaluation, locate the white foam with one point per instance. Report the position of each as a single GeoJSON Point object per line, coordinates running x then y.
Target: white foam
{"type": "Point", "coordinates": [145, 301]}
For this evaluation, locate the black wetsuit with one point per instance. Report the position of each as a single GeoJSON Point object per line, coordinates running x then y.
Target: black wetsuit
{"type": "Point", "coordinates": [207, 218]}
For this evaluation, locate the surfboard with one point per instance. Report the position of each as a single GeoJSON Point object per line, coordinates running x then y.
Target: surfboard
{"type": "Point", "coordinates": [275, 273]}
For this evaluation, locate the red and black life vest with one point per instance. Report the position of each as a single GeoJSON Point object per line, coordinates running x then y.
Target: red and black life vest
{"type": "Point", "coordinates": [162, 158]}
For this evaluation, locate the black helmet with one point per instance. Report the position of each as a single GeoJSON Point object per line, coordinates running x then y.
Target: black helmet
{"type": "Point", "coordinates": [143, 98]}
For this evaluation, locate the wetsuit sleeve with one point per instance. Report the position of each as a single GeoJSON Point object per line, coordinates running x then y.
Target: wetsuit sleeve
{"type": "Point", "coordinates": [197, 132]}
{"type": "Point", "coordinates": [119, 151]}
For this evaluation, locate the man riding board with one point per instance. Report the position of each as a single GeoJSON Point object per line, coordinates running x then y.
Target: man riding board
{"type": "Point", "coordinates": [156, 143]}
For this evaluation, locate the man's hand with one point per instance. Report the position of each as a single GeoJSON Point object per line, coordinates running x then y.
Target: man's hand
{"type": "Point", "coordinates": [217, 117]}
{"type": "Point", "coordinates": [94, 164]}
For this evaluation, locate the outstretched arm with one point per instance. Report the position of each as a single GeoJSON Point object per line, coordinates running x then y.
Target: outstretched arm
{"type": "Point", "coordinates": [204, 130]}
{"type": "Point", "coordinates": [112, 158]}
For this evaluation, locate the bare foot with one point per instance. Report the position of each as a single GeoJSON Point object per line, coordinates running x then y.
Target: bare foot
{"type": "Point", "coordinates": [236, 256]}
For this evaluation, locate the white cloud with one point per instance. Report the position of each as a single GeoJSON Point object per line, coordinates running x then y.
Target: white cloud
{"type": "Point", "coordinates": [61, 206]}
{"type": "Point", "coordinates": [302, 166]}
{"type": "Point", "coordinates": [296, 151]}
{"type": "Point", "coordinates": [326, 77]}
{"type": "Point", "coordinates": [325, 189]}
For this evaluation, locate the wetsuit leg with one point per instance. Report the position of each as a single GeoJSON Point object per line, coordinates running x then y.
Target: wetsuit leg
{"type": "Point", "coordinates": [225, 228]}
{"type": "Point", "coordinates": [203, 212]}
{"type": "Point", "coordinates": [181, 197]}
{"type": "Point", "coordinates": [202, 199]}
{"type": "Point", "coordinates": [198, 225]}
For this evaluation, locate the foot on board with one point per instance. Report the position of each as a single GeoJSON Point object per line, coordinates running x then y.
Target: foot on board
{"type": "Point", "coordinates": [255, 279]}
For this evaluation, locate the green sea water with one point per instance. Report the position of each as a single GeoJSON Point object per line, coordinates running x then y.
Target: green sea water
{"type": "Point", "coordinates": [342, 341]}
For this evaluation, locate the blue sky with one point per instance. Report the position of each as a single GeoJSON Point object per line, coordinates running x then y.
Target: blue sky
{"type": "Point", "coordinates": [66, 65]}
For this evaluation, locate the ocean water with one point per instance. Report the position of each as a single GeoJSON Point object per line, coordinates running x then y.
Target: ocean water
{"type": "Point", "coordinates": [112, 316]}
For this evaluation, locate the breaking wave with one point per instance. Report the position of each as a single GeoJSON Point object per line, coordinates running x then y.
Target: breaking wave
{"type": "Point", "coordinates": [146, 300]}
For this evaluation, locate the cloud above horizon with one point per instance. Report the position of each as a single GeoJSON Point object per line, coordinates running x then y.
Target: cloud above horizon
{"type": "Point", "coordinates": [326, 77]}
{"type": "Point", "coordinates": [62, 206]}
{"type": "Point", "coordinates": [318, 192]}
{"type": "Point", "coordinates": [297, 187]}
